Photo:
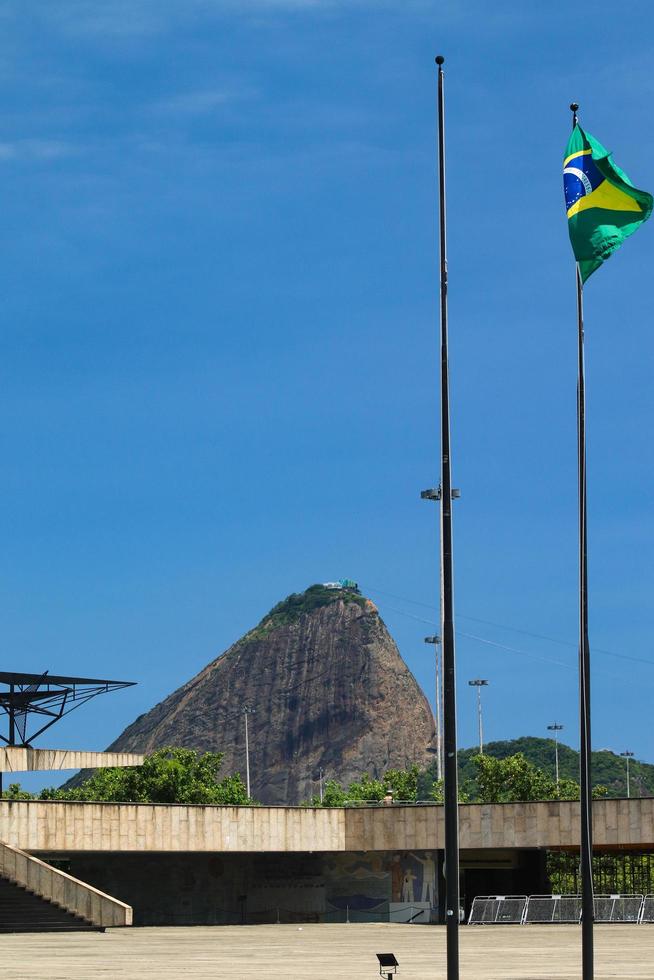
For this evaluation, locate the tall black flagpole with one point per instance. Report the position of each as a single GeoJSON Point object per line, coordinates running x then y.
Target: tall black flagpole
{"type": "Point", "coordinates": [586, 836]}
{"type": "Point", "coordinates": [447, 601]}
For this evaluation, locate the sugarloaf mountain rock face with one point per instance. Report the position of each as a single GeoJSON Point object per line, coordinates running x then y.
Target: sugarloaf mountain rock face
{"type": "Point", "coordinates": [329, 691]}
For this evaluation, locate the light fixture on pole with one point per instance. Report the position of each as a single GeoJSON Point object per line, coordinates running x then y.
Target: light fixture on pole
{"type": "Point", "coordinates": [627, 755]}
{"type": "Point", "coordinates": [556, 729]}
{"type": "Point", "coordinates": [479, 683]}
{"type": "Point", "coordinates": [245, 711]}
{"type": "Point", "coordinates": [436, 642]}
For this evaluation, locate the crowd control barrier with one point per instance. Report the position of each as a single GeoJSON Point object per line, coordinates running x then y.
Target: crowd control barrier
{"type": "Point", "coordinates": [547, 909]}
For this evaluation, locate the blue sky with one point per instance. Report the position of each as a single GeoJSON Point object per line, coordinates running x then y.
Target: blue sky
{"type": "Point", "coordinates": [218, 363]}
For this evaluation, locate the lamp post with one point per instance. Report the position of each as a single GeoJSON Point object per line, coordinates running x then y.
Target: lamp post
{"type": "Point", "coordinates": [245, 711]}
{"type": "Point", "coordinates": [479, 683]}
{"type": "Point", "coordinates": [436, 641]}
{"type": "Point", "coordinates": [556, 729]}
{"type": "Point", "coordinates": [627, 755]}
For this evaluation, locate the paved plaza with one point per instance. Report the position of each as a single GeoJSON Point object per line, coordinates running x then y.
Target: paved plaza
{"type": "Point", "coordinates": [337, 952]}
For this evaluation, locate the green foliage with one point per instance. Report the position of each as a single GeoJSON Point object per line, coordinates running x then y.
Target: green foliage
{"type": "Point", "coordinates": [608, 769]}
{"type": "Point", "coordinates": [515, 779]}
{"type": "Point", "coordinates": [402, 783]}
{"type": "Point", "coordinates": [628, 873]}
{"type": "Point", "coordinates": [437, 793]}
{"type": "Point", "coordinates": [170, 775]}
{"type": "Point", "coordinates": [14, 792]}
{"type": "Point", "coordinates": [333, 795]}
{"type": "Point", "coordinates": [366, 790]}
{"type": "Point", "coordinates": [297, 604]}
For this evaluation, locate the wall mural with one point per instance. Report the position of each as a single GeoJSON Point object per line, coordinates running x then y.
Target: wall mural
{"type": "Point", "coordinates": [414, 877]}
{"type": "Point", "coordinates": [368, 882]}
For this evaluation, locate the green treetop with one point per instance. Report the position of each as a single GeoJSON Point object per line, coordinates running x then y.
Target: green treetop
{"type": "Point", "coordinates": [169, 775]}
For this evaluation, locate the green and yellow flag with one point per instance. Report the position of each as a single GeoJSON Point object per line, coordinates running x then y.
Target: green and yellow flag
{"type": "Point", "coordinates": [602, 204]}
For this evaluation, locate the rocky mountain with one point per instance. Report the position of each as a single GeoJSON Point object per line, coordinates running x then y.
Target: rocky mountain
{"type": "Point", "coordinates": [328, 690]}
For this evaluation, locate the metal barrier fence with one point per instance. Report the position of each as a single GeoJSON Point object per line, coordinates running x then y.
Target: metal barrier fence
{"type": "Point", "coordinates": [553, 908]}
{"type": "Point", "coordinates": [485, 910]}
{"type": "Point", "coordinates": [618, 908]}
{"type": "Point", "coordinates": [543, 909]}
{"type": "Point", "coordinates": [647, 911]}
{"type": "Point", "coordinates": [495, 909]}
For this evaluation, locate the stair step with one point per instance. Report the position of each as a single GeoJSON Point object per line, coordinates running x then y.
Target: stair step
{"type": "Point", "coordinates": [23, 911]}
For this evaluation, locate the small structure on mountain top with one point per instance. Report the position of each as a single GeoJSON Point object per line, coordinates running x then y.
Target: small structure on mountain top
{"type": "Point", "coordinates": [347, 584]}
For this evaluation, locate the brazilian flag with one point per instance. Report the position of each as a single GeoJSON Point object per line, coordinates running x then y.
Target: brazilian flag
{"type": "Point", "coordinates": [602, 204]}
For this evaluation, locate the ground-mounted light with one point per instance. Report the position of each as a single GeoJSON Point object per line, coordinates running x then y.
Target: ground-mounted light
{"type": "Point", "coordinates": [387, 964]}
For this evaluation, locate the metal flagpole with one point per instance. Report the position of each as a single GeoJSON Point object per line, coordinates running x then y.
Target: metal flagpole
{"type": "Point", "coordinates": [587, 902]}
{"type": "Point", "coordinates": [447, 603]}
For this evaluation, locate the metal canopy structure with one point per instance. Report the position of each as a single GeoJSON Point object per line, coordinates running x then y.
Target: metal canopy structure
{"type": "Point", "coordinates": [37, 701]}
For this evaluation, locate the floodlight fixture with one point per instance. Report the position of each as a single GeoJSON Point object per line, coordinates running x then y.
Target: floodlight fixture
{"type": "Point", "coordinates": [387, 965]}
{"type": "Point", "coordinates": [433, 639]}
{"type": "Point", "coordinates": [627, 755]}
{"type": "Point", "coordinates": [556, 728]}
{"type": "Point", "coordinates": [479, 682]}
{"type": "Point", "coordinates": [436, 493]}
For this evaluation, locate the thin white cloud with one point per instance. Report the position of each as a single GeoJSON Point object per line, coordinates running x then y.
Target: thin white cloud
{"type": "Point", "coordinates": [36, 149]}
{"type": "Point", "coordinates": [202, 100]}
{"type": "Point", "coordinates": [140, 18]}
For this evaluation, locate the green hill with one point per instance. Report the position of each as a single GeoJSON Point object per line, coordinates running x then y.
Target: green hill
{"type": "Point", "coordinates": [607, 768]}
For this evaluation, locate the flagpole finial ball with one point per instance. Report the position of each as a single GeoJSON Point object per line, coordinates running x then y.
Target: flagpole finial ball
{"type": "Point", "coordinates": [439, 59]}
{"type": "Point", "coordinates": [574, 106]}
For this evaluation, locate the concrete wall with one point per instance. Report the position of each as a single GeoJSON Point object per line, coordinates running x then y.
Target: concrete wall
{"type": "Point", "coordinates": [217, 889]}
{"type": "Point", "coordinates": [16, 758]}
{"type": "Point", "coordinates": [62, 889]}
{"type": "Point", "coordinates": [63, 827]}
{"type": "Point", "coordinates": [66, 827]}
{"type": "Point", "coordinates": [179, 889]}
{"type": "Point", "coordinates": [209, 889]}
{"type": "Point", "coordinates": [616, 823]}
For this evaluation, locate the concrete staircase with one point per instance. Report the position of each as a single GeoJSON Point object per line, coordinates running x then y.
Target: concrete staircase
{"type": "Point", "coordinates": [23, 911]}
{"type": "Point", "coordinates": [37, 897]}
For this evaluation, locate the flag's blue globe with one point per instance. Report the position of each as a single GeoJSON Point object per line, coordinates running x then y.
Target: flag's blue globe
{"type": "Point", "coordinates": [580, 177]}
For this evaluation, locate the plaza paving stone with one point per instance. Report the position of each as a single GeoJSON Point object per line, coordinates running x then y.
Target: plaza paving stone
{"type": "Point", "coordinates": [337, 952]}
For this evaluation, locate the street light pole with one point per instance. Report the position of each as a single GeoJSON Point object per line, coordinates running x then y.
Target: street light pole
{"type": "Point", "coordinates": [245, 712]}
{"type": "Point", "coordinates": [627, 755]}
{"type": "Point", "coordinates": [556, 729]}
{"type": "Point", "coordinates": [479, 683]}
{"type": "Point", "coordinates": [436, 641]}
